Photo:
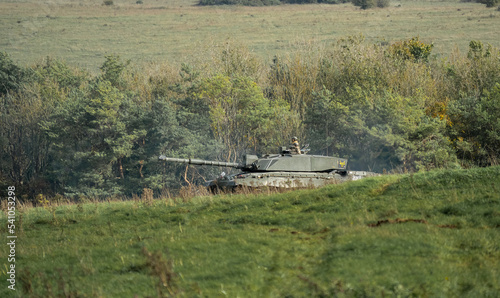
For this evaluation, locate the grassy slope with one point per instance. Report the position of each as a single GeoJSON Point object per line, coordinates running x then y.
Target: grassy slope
{"type": "Point", "coordinates": [430, 234]}
{"type": "Point", "coordinates": [84, 32]}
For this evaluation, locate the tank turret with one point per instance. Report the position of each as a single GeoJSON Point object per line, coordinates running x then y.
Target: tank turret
{"type": "Point", "coordinates": [279, 170]}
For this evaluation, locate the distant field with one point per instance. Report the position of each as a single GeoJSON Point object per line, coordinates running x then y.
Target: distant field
{"type": "Point", "coordinates": [432, 234]}
{"type": "Point", "coordinates": [83, 32]}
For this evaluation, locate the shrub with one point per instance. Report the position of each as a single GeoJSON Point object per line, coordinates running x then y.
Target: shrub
{"type": "Point", "coordinates": [489, 3]}
{"type": "Point", "coordinates": [474, 128]}
{"type": "Point", "coordinates": [412, 49]}
{"type": "Point", "coordinates": [364, 4]}
{"type": "Point", "coordinates": [383, 3]}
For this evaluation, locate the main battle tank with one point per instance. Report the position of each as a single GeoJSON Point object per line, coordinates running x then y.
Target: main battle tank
{"type": "Point", "coordinates": [283, 170]}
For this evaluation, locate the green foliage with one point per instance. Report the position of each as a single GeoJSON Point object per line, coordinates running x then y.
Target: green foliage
{"type": "Point", "coordinates": [379, 131]}
{"type": "Point", "coordinates": [241, 117]}
{"type": "Point", "coordinates": [24, 153]}
{"type": "Point", "coordinates": [112, 69]}
{"type": "Point", "coordinates": [107, 143]}
{"type": "Point", "coordinates": [475, 127]}
{"type": "Point", "coordinates": [327, 121]}
{"type": "Point", "coordinates": [489, 3]}
{"type": "Point", "coordinates": [374, 109]}
{"type": "Point", "coordinates": [352, 64]}
{"type": "Point", "coordinates": [232, 59]}
{"type": "Point", "coordinates": [58, 75]}
{"type": "Point", "coordinates": [11, 75]}
{"type": "Point", "coordinates": [366, 4]}
{"type": "Point", "coordinates": [477, 72]}
{"type": "Point", "coordinates": [383, 3]}
{"type": "Point", "coordinates": [412, 49]}
{"type": "Point", "coordinates": [473, 114]}
{"type": "Point", "coordinates": [89, 139]}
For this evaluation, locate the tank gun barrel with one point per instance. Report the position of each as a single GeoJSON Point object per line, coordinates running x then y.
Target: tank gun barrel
{"type": "Point", "coordinates": [201, 162]}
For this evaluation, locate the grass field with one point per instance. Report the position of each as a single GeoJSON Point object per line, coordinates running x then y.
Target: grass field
{"type": "Point", "coordinates": [83, 32]}
{"type": "Point", "coordinates": [433, 234]}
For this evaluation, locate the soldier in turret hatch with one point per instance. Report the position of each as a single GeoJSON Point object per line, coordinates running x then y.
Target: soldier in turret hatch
{"type": "Point", "coordinates": [295, 147]}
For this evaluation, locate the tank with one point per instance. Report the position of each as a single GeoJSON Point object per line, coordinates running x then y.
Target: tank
{"type": "Point", "coordinates": [282, 170]}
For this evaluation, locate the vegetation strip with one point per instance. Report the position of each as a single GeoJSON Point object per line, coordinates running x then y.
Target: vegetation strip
{"type": "Point", "coordinates": [386, 108]}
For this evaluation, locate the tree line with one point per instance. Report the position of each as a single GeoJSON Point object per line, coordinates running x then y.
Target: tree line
{"type": "Point", "coordinates": [363, 4]}
{"type": "Point", "coordinates": [390, 107]}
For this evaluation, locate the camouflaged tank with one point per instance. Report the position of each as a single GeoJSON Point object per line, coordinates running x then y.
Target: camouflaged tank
{"type": "Point", "coordinates": [283, 170]}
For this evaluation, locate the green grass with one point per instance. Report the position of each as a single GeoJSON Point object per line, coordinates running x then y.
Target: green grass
{"type": "Point", "coordinates": [429, 234]}
{"type": "Point", "coordinates": [84, 32]}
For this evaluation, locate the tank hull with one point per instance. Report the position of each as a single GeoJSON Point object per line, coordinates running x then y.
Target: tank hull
{"type": "Point", "coordinates": [284, 179]}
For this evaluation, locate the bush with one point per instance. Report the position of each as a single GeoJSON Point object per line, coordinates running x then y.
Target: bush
{"type": "Point", "coordinates": [489, 3]}
{"type": "Point", "coordinates": [383, 3]}
{"type": "Point", "coordinates": [412, 49]}
{"type": "Point", "coordinates": [364, 4]}
{"type": "Point", "coordinates": [474, 128]}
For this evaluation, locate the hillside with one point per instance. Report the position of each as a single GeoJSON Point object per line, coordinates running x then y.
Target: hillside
{"type": "Point", "coordinates": [427, 234]}
{"type": "Point", "coordinates": [179, 31]}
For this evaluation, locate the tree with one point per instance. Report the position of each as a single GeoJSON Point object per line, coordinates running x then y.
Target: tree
{"type": "Point", "coordinates": [365, 4]}
{"type": "Point", "coordinates": [24, 148]}
{"type": "Point", "coordinates": [91, 140]}
{"type": "Point", "coordinates": [293, 80]}
{"type": "Point", "coordinates": [379, 131]}
{"type": "Point", "coordinates": [326, 120]}
{"type": "Point", "coordinates": [241, 117]}
{"type": "Point", "coordinates": [163, 135]}
{"type": "Point", "coordinates": [475, 128]}
{"type": "Point", "coordinates": [11, 75]}
{"type": "Point", "coordinates": [112, 70]}
{"type": "Point", "coordinates": [489, 3]}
